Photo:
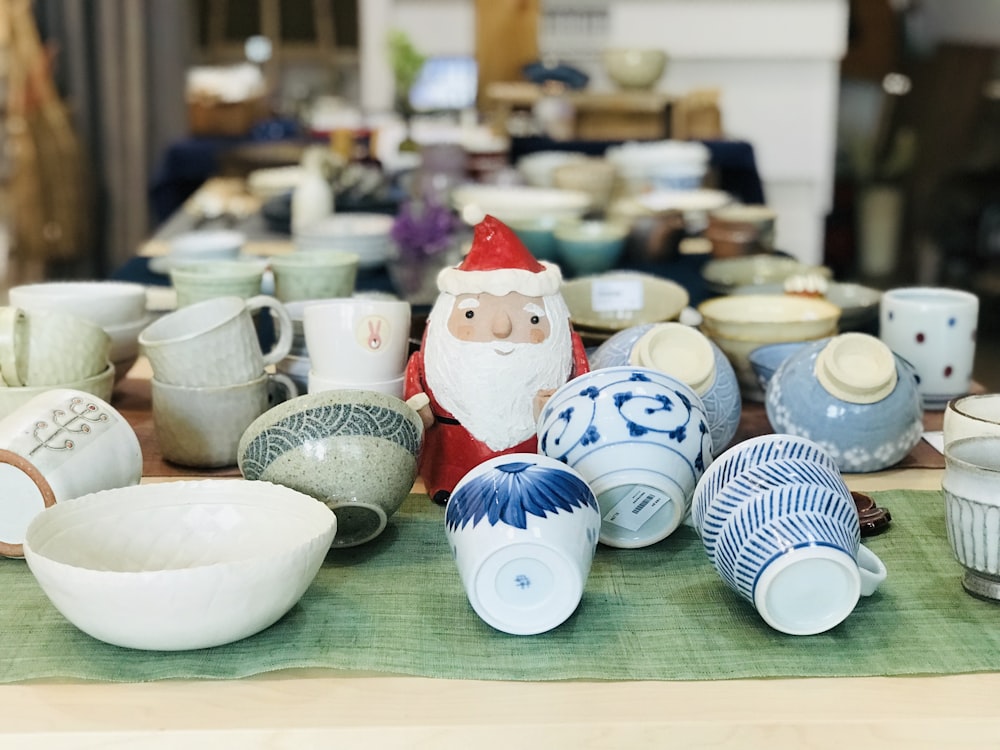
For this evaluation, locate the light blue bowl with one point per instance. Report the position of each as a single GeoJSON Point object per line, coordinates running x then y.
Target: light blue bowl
{"type": "Point", "coordinates": [590, 246]}
{"type": "Point", "coordinates": [538, 235]}
{"type": "Point", "coordinates": [766, 359]}
{"type": "Point", "coordinates": [859, 437]}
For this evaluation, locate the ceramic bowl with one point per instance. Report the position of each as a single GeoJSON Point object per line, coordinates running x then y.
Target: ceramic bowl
{"type": "Point", "coordinates": [100, 385]}
{"type": "Point", "coordinates": [365, 234]}
{"type": "Point", "coordinates": [538, 233]}
{"type": "Point", "coordinates": [354, 450]}
{"type": "Point", "coordinates": [179, 565]}
{"type": "Point", "coordinates": [687, 354]}
{"type": "Point", "coordinates": [633, 68]}
{"type": "Point", "coordinates": [589, 246]}
{"type": "Point", "coordinates": [765, 360]}
{"type": "Point", "coordinates": [316, 383]}
{"type": "Point", "coordinates": [639, 438]}
{"type": "Point", "coordinates": [618, 300]}
{"type": "Point", "coordinates": [852, 396]}
{"type": "Point", "coordinates": [538, 167]}
{"type": "Point", "coordinates": [858, 304]}
{"type": "Point", "coordinates": [768, 318]}
{"type": "Point", "coordinates": [594, 176]}
{"type": "Point", "coordinates": [972, 416]}
{"type": "Point", "coordinates": [106, 303]}
{"type": "Point", "coordinates": [511, 203]}
{"type": "Point", "coordinates": [746, 455]}
{"type": "Point", "coordinates": [723, 275]}
{"type": "Point", "coordinates": [206, 244]}
{"type": "Point", "coordinates": [972, 511]}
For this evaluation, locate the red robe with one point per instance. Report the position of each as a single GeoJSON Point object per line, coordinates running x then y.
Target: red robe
{"type": "Point", "coordinates": [449, 449]}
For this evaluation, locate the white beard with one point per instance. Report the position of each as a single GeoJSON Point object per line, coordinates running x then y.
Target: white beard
{"type": "Point", "coordinates": [492, 395]}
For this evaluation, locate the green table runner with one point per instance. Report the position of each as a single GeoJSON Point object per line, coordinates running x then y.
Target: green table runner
{"type": "Point", "coordinates": [397, 605]}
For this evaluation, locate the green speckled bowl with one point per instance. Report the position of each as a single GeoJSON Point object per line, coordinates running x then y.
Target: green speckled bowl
{"type": "Point", "coordinates": [354, 450]}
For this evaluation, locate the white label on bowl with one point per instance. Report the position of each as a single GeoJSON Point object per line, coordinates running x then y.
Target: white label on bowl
{"type": "Point", "coordinates": [609, 295]}
{"type": "Point", "coordinates": [633, 510]}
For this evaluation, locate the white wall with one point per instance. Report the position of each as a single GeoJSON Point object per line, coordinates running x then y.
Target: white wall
{"type": "Point", "coordinates": [776, 62]}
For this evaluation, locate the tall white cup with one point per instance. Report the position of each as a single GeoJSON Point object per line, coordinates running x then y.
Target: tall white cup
{"type": "Point", "coordinates": [934, 329]}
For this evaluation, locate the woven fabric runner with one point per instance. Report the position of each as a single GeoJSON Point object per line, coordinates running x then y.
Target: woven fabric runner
{"type": "Point", "coordinates": [397, 605]}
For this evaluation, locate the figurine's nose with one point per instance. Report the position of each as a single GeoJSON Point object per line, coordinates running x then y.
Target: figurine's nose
{"type": "Point", "coordinates": [502, 325]}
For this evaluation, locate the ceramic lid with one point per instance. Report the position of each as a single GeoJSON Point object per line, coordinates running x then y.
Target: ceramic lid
{"type": "Point", "coordinates": [857, 368]}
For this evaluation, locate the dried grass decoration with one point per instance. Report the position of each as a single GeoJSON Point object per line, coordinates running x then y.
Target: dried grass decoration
{"type": "Point", "coordinates": [49, 215]}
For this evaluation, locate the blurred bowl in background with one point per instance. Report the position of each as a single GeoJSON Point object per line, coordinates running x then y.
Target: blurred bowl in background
{"type": "Point", "coordinates": [634, 68]}
{"type": "Point", "coordinates": [590, 246]}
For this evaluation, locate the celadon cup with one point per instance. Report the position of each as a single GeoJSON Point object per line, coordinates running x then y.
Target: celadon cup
{"type": "Point", "coordinates": [314, 274]}
{"type": "Point", "coordinates": [199, 281]}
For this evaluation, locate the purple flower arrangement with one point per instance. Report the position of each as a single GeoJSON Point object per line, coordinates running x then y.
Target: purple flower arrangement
{"type": "Point", "coordinates": [423, 229]}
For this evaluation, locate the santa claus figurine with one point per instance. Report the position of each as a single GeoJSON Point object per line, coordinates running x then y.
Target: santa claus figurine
{"type": "Point", "coordinates": [498, 343]}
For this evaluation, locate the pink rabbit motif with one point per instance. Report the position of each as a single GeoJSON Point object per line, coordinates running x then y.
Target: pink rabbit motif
{"type": "Point", "coordinates": [374, 334]}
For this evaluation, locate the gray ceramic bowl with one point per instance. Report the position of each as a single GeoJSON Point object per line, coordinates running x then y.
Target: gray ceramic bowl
{"type": "Point", "coordinates": [354, 450]}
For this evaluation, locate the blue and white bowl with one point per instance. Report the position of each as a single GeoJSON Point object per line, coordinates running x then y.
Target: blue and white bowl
{"type": "Point", "coordinates": [760, 479]}
{"type": "Point", "coordinates": [720, 394]}
{"type": "Point", "coordinates": [795, 553]}
{"type": "Point", "coordinates": [860, 437]}
{"type": "Point", "coordinates": [747, 455]}
{"type": "Point", "coordinates": [640, 438]}
{"type": "Point", "coordinates": [523, 529]}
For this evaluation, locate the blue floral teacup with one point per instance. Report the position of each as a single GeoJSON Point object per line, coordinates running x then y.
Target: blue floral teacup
{"type": "Point", "coordinates": [523, 529]}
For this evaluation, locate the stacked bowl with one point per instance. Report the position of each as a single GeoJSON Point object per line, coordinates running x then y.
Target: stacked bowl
{"type": "Point", "coordinates": [364, 234]}
{"type": "Point", "coordinates": [782, 530]}
{"type": "Point", "coordinates": [741, 323]}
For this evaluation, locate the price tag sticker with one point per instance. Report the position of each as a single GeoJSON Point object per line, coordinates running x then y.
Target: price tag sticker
{"type": "Point", "coordinates": [608, 295]}
{"type": "Point", "coordinates": [637, 507]}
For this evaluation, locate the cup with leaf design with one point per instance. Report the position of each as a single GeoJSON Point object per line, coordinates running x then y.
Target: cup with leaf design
{"type": "Point", "coordinates": [61, 444]}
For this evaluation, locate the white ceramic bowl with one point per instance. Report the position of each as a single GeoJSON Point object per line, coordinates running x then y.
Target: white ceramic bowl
{"type": "Point", "coordinates": [621, 299]}
{"type": "Point", "coordinates": [517, 202]}
{"type": "Point", "coordinates": [858, 303]}
{"type": "Point", "coordinates": [538, 167]}
{"type": "Point", "coordinates": [972, 416]}
{"type": "Point", "coordinates": [723, 275]}
{"type": "Point", "coordinates": [179, 565]}
{"type": "Point", "coordinates": [768, 318]}
{"type": "Point", "coordinates": [365, 234]}
{"type": "Point", "coordinates": [125, 342]}
{"type": "Point", "coordinates": [634, 68]}
{"type": "Point", "coordinates": [106, 303]}
{"type": "Point", "coordinates": [99, 385]}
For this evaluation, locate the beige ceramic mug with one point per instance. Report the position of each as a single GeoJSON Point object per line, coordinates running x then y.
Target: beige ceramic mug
{"type": "Point", "coordinates": [202, 426]}
{"type": "Point", "coordinates": [214, 342]}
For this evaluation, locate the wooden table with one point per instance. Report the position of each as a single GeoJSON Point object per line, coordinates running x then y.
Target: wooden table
{"type": "Point", "coordinates": [326, 708]}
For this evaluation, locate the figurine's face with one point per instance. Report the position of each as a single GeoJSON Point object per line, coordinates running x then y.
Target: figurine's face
{"type": "Point", "coordinates": [513, 317]}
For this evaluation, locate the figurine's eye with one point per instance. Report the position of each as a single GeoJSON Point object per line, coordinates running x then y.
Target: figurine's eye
{"type": "Point", "coordinates": [470, 314]}
{"type": "Point", "coordinates": [535, 320]}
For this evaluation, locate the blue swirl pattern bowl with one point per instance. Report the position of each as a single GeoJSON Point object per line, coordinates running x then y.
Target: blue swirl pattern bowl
{"type": "Point", "coordinates": [640, 439]}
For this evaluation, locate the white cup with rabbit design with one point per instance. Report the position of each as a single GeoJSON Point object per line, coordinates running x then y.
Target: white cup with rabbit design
{"type": "Point", "coordinates": [356, 339]}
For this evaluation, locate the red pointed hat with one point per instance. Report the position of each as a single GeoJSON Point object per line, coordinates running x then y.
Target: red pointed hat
{"type": "Point", "coordinates": [498, 263]}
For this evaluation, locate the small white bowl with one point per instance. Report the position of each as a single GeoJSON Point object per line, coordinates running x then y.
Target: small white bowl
{"type": "Point", "coordinates": [318, 383]}
{"type": "Point", "coordinates": [517, 202]}
{"type": "Point", "coordinates": [106, 303]}
{"type": "Point", "coordinates": [179, 565]}
{"type": "Point", "coordinates": [621, 299]}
